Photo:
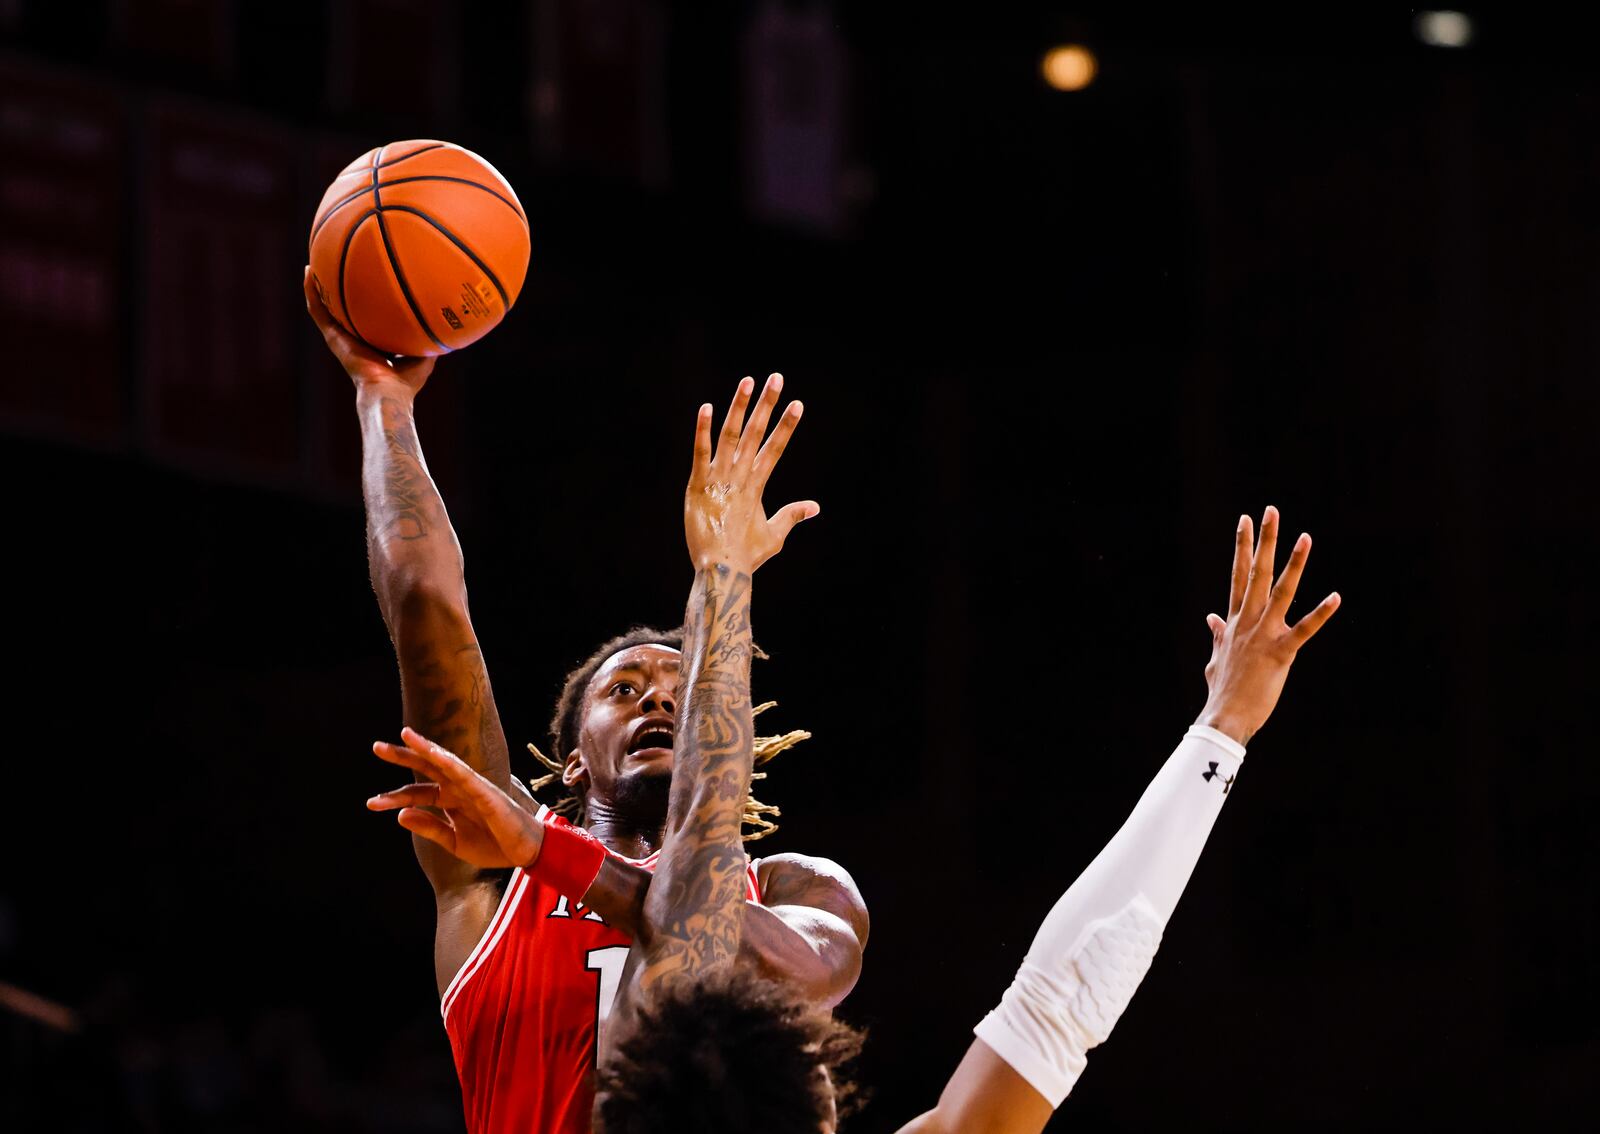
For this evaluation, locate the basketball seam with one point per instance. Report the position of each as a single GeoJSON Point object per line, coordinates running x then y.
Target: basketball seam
{"type": "Point", "coordinates": [343, 201]}
{"type": "Point", "coordinates": [351, 171]}
{"type": "Point", "coordinates": [394, 262]}
{"type": "Point", "coordinates": [510, 204]}
{"type": "Point", "coordinates": [404, 157]}
{"type": "Point", "coordinates": [336, 206]}
{"type": "Point", "coordinates": [453, 239]}
{"type": "Point", "coordinates": [344, 255]}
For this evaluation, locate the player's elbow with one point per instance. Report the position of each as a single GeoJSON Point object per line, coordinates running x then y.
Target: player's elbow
{"type": "Point", "coordinates": [399, 574]}
{"type": "Point", "coordinates": [416, 600]}
{"type": "Point", "coordinates": [836, 956]}
{"type": "Point", "coordinates": [842, 962]}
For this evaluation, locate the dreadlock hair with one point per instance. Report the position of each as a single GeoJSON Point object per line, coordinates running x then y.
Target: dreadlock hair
{"type": "Point", "coordinates": [729, 1053]}
{"type": "Point", "coordinates": [567, 723]}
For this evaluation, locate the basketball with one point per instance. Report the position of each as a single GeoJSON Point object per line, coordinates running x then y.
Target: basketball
{"type": "Point", "coordinates": [419, 247]}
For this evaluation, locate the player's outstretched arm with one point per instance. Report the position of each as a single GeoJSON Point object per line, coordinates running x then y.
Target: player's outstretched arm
{"type": "Point", "coordinates": [694, 910]}
{"type": "Point", "coordinates": [416, 569]}
{"type": "Point", "coordinates": [810, 932]}
{"type": "Point", "coordinates": [1098, 942]}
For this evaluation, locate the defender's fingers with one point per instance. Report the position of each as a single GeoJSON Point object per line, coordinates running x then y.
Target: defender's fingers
{"type": "Point", "coordinates": [400, 754]}
{"type": "Point", "coordinates": [435, 828]}
{"type": "Point", "coordinates": [428, 748]}
{"type": "Point", "coordinates": [788, 517]}
{"type": "Point", "coordinates": [702, 445]}
{"type": "Point", "coordinates": [1303, 630]}
{"type": "Point", "coordinates": [728, 442]}
{"type": "Point", "coordinates": [1217, 624]}
{"type": "Point", "coordinates": [1242, 540]}
{"type": "Point", "coordinates": [1288, 582]}
{"type": "Point", "coordinates": [422, 755]}
{"type": "Point", "coordinates": [1260, 580]}
{"type": "Point", "coordinates": [756, 428]}
{"type": "Point", "coordinates": [767, 459]}
{"type": "Point", "coordinates": [472, 790]}
{"type": "Point", "coordinates": [412, 795]}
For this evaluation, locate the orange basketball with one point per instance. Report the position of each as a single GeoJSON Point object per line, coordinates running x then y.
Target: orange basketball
{"type": "Point", "coordinates": [419, 247]}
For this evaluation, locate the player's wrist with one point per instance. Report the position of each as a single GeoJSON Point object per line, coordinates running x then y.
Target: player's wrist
{"type": "Point", "coordinates": [715, 563]}
{"type": "Point", "coordinates": [568, 858]}
{"type": "Point", "coordinates": [371, 391]}
{"type": "Point", "coordinates": [1232, 725]}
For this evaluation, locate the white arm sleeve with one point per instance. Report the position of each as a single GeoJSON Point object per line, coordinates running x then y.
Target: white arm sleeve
{"type": "Point", "coordinates": [1097, 943]}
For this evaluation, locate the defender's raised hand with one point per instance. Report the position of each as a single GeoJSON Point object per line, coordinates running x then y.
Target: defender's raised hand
{"type": "Point", "coordinates": [474, 820]}
{"type": "Point", "coordinates": [1252, 649]}
{"type": "Point", "coordinates": [365, 366]}
{"type": "Point", "coordinates": [723, 518]}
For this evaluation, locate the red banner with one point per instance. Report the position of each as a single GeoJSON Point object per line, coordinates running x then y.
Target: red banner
{"type": "Point", "coordinates": [220, 297]}
{"type": "Point", "coordinates": [599, 94]}
{"type": "Point", "coordinates": [62, 212]}
{"type": "Point", "coordinates": [196, 36]}
{"type": "Point", "coordinates": [794, 65]}
{"type": "Point", "coordinates": [396, 58]}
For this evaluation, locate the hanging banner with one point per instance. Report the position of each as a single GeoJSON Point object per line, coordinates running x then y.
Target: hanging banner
{"type": "Point", "coordinates": [794, 68]}
{"type": "Point", "coordinates": [220, 292]}
{"type": "Point", "coordinates": [396, 59]}
{"type": "Point", "coordinates": [62, 213]}
{"type": "Point", "coordinates": [184, 36]}
{"type": "Point", "coordinates": [599, 93]}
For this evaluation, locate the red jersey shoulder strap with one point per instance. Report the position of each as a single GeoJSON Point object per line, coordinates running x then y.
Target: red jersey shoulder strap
{"type": "Point", "coordinates": [516, 887]}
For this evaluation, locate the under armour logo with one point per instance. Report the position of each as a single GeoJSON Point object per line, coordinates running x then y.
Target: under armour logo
{"type": "Point", "coordinates": [1214, 774]}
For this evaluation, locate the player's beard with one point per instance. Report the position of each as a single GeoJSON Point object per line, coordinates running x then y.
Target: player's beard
{"type": "Point", "coordinates": [641, 797]}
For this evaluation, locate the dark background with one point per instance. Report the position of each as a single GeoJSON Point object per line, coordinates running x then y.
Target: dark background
{"type": "Point", "coordinates": [1052, 344]}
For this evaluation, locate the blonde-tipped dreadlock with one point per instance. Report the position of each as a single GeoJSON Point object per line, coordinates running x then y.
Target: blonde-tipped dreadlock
{"type": "Point", "coordinates": [757, 815]}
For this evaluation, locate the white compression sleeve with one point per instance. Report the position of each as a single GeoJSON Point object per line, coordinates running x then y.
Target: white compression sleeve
{"type": "Point", "coordinates": [1097, 943]}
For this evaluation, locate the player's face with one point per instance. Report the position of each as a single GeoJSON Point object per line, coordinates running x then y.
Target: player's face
{"type": "Point", "coordinates": [628, 727]}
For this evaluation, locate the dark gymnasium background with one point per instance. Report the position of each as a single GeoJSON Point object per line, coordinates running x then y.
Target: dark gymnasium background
{"type": "Point", "coordinates": [1051, 343]}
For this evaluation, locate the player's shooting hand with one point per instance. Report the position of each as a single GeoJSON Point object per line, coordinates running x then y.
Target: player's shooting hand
{"type": "Point", "coordinates": [365, 366]}
{"type": "Point", "coordinates": [1252, 649]}
{"type": "Point", "coordinates": [472, 818]}
{"type": "Point", "coordinates": [723, 518]}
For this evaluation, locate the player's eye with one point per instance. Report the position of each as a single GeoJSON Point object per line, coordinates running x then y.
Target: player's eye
{"type": "Point", "coordinates": [622, 689]}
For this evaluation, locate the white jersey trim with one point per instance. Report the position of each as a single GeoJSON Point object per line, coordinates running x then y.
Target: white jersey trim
{"type": "Point", "coordinates": [515, 888]}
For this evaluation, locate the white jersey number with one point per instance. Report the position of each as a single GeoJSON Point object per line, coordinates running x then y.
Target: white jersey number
{"type": "Point", "coordinates": [608, 962]}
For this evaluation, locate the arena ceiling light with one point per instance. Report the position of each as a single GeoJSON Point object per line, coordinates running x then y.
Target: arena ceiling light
{"type": "Point", "coordinates": [1443, 28]}
{"type": "Point", "coordinates": [1070, 67]}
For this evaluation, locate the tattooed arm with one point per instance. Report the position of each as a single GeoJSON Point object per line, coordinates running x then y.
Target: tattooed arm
{"type": "Point", "coordinates": [416, 569]}
{"type": "Point", "coordinates": [694, 909]}
{"type": "Point", "coordinates": [807, 932]}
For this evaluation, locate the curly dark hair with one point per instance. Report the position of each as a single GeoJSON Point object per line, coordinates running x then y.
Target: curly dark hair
{"type": "Point", "coordinates": [730, 1053]}
{"type": "Point", "coordinates": [567, 723]}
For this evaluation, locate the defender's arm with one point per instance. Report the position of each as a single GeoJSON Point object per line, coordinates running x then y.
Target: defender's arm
{"type": "Point", "coordinates": [694, 910]}
{"type": "Point", "coordinates": [1098, 942]}
{"type": "Point", "coordinates": [807, 932]}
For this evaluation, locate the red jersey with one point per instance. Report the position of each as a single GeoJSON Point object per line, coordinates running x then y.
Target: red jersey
{"type": "Point", "coordinates": [524, 1012]}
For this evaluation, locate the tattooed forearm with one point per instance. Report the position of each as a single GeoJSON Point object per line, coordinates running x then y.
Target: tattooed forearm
{"type": "Point", "coordinates": [695, 906]}
{"type": "Point", "coordinates": [408, 531]}
{"type": "Point", "coordinates": [401, 510]}
{"type": "Point", "coordinates": [417, 574]}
